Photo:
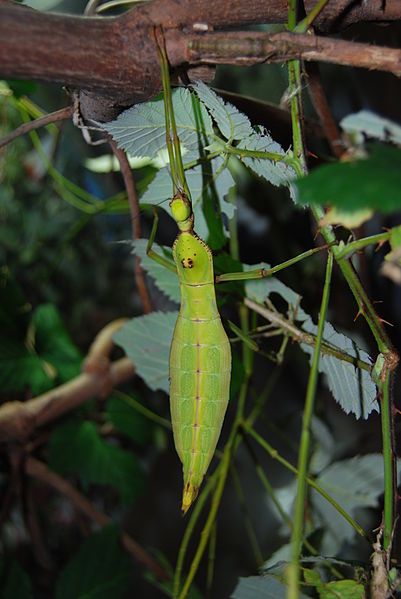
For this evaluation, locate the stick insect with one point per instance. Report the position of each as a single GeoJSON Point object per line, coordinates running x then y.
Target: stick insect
{"type": "Point", "coordinates": [200, 354]}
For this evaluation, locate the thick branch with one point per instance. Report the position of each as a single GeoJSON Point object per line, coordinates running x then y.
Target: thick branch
{"type": "Point", "coordinates": [116, 57]}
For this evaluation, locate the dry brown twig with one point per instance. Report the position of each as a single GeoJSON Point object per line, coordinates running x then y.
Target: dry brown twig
{"type": "Point", "coordinates": [39, 471]}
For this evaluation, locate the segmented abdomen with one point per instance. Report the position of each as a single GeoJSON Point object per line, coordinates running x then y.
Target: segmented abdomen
{"type": "Point", "coordinates": [200, 369]}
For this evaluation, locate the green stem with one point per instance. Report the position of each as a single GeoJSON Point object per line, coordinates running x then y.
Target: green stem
{"type": "Point", "coordinates": [346, 250]}
{"type": "Point", "coordinates": [304, 25]}
{"type": "Point", "coordinates": [141, 409]}
{"type": "Point", "coordinates": [303, 459]}
{"type": "Point", "coordinates": [312, 483]}
{"type": "Point", "coordinates": [390, 475]}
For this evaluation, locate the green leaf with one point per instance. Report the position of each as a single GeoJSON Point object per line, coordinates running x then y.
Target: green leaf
{"type": "Point", "coordinates": [36, 351]}
{"type": "Point", "coordinates": [373, 183]}
{"type": "Point", "coordinates": [261, 587]}
{"type": "Point", "coordinates": [165, 280]}
{"type": "Point", "coordinates": [14, 581]}
{"type": "Point", "coordinates": [364, 124]}
{"type": "Point", "coordinates": [99, 570]}
{"type": "Point", "coordinates": [277, 173]}
{"type": "Point", "coordinates": [232, 123]}
{"type": "Point", "coordinates": [77, 449]}
{"type": "Point", "coordinates": [337, 589]}
{"type": "Point", "coordinates": [141, 130]}
{"type": "Point", "coordinates": [146, 340]}
{"type": "Point", "coordinates": [352, 387]}
{"type": "Point", "coordinates": [128, 421]}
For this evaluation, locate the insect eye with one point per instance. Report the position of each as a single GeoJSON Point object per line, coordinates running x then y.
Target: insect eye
{"type": "Point", "coordinates": [187, 262]}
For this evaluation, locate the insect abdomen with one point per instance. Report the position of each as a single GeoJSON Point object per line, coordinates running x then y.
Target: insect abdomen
{"type": "Point", "coordinates": [200, 369]}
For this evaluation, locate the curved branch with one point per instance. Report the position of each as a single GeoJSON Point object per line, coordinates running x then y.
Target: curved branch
{"type": "Point", "coordinates": [18, 420]}
{"type": "Point", "coordinates": [52, 117]}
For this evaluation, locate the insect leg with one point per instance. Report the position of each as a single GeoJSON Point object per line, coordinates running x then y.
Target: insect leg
{"type": "Point", "coordinates": [154, 255]}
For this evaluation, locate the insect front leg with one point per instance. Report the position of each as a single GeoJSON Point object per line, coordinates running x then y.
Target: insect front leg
{"type": "Point", "coordinates": [154, 255]}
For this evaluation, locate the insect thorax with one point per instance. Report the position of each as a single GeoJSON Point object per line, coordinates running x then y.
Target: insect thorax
{"type": "Point", "coordinates": [193, 259]}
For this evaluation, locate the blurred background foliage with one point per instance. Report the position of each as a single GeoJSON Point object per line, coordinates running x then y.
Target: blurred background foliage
{"type": "Point", "coordinates": [65, 274]}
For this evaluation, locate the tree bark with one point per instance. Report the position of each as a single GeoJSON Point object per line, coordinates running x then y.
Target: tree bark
{"type": "Point", "coordinates": [116, 57]}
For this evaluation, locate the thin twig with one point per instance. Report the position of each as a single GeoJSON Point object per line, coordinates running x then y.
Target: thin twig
{"type": "Point", "coordinates": [36, 469]}
{"type": "Point", "coordinates": [135, 222]}
{"type": "Point", "coordinates": [323, 110]}
{"type": "Point", "coordinates": [47, 119]}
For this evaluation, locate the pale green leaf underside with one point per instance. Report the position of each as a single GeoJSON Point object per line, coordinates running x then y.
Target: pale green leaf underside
{"type": "Point", "coordinates": [141, 130]}
{"type": "Point", "coordinates": [355, 483]}
{"type": "Point", "coordinates": [146, 340]}
{"type": "Point", "coordinates": [260, 587]}
{"type": "Point", "coordinates": [232, 123]}
{"type": "Point", "coordinates": [277, 173]}
{"type": "Point", "coordinates": [165, 280]}
{"type": "Point", "coordinates": [352, 388]}
{"type": "Point", "coordinates": [366, 123]}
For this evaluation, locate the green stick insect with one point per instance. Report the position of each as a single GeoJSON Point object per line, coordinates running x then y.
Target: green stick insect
{"type": "Point", "coordinates": [200, 354]}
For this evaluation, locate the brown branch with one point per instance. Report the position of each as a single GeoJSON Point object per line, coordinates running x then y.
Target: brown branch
{"type": "Point", "coordinates": [243, 48]}
{"type": "Point", "coordinates": [323, 110]}
{"type": "Point", "coordinates": [116, 57]}
{"type": "Point", "coordinates": [39, 471]}
{"type": "Point", "coordinates": [129, 183]}
{"type": "Point", "coordinates": [18, 419]}
{"type": "Point", "coordinates": [52, 117]}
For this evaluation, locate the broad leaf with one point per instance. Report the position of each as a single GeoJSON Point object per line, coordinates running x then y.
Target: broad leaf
{"type": "Point", "coordinates": [141, 130]}
{"type": "Point", "coordinates": [261, 587]}
{"type": "Point", "coordinates": [232, 123]}
{"type": "Point", "coordinates": [165, 280]}
{"type": "Point", "coordinates": [352, 387]}
{"type": "Point", "coordinates": [344, 589]}
{"type": "Point", "coordinates": [77, 448]}
{"type": "Point", "coordinates": [371, 183]}
{"type": "Point", "coordinates": [368, 124]}
{"type": "Point", "coordinates": [99, 570]}
{"type": "Point", "coordinates": [146, 340]}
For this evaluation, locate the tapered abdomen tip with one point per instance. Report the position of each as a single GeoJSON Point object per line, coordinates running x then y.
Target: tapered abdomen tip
{"type": "Point", "coordinates": [188, 497]}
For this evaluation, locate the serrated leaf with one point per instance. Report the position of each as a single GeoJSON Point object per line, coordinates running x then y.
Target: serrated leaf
{"type": "Point", "coordinates": [146, 340]}
{"type": "Point", "coordinates": [77, 448]}
{"type": "Point", "coordinates": [165, 280]}
{"type": "Point", "coordinates": [354, 483]}
{"type": "Point", "coordinates": [368, 124]}
{"type": "Point", "coordinates": [261, 587]}
{"type": "Point", "coordinates": [353, 388]}
{"type": "Point", "coordinates": [345, 589]}
{"type": "Point", "coordinates": [372, 183]}
{"type": "Point", "coordinates": [141, 130]}
{"type": "Point", "coordinates": [277, 173]}
{"type": "Point", "coordinates": [232, 123]}
{"type": "Point", "coordinates": [99, 570]}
